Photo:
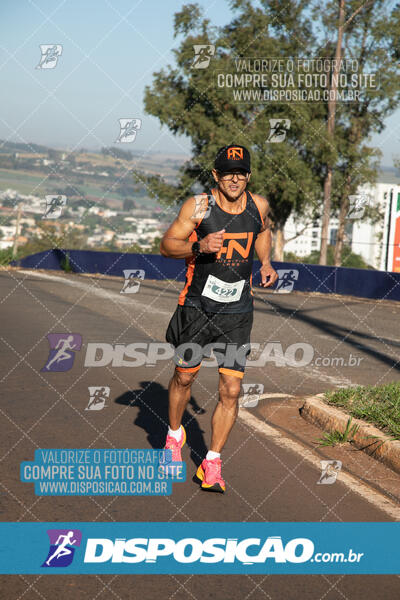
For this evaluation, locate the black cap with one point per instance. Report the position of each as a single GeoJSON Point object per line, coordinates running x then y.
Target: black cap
{"type": "Point", "coordinates": [232, 157]}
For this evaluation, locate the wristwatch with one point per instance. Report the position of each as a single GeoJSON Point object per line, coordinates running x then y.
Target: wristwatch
{"type": "Point", "coordinates": [196, 248]}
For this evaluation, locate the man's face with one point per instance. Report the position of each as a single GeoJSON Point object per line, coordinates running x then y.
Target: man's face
{"type": "Point", "coordinates": [233, 183]}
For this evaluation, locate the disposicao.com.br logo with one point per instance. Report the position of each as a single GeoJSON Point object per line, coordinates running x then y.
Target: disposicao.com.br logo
{"type": "Point", "coordinates": [247, 551]}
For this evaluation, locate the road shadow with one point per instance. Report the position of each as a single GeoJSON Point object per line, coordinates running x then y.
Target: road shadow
{"type": "Point", "coordinates": [151, 402]}
{"type": "Point", "coordinates": [357, 340]}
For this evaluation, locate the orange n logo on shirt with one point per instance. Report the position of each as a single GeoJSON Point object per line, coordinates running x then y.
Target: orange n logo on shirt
{"type": "Point", "coordinates": [234, 245]}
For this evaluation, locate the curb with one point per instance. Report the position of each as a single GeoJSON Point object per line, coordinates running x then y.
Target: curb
{"type": "Point", "coordinates": [329, 418]}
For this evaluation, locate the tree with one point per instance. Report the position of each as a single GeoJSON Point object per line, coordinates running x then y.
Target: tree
{"type": "Point", "coordinates": [117, 153]}
{"type": "Point", "coordinates": [188, 102]}
{"type": "Point", "coordinates": [351, 259]}
{"type": "Point", "coordinates": [330, 127]}
{"type": "Point", "coordinates": [325, 155]}
{"type": "Point", "coordinates": [368, 33]}
{"type": "Point", "coordinates": [52, 238]}
{"type": "Point", "coordinates": [128, 204]}
{"type": "Point", "coordinates": [53, 154]}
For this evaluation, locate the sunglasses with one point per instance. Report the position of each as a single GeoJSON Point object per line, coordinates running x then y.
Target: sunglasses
{"type": "Point", "coordinates": [229, 176]}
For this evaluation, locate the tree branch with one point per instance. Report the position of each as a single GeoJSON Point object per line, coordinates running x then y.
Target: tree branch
{"type": "Point", "coordinates": [355, 13]}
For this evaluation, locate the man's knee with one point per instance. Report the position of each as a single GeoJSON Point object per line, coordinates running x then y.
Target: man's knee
{"type": "Point", "coordinates": [184, 379]}
{"type": "Point", "coordinates": [230, 387]}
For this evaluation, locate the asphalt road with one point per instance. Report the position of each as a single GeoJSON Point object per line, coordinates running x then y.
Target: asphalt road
{"type": "Point", "coordinates": [266, 481]}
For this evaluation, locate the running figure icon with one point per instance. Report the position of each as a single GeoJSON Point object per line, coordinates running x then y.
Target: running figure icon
{"type": "Point", "coordinates": [62, 549]}
{"type": "Point", "coordinates": [63, 545]}
{"type": "Point", "coordinates": [62, 346]}
{"type": "Point", "coordinates": [287, 279]}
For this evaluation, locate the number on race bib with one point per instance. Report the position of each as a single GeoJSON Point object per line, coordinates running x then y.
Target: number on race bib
{"type": "Point", "coordinates": [222, 291]}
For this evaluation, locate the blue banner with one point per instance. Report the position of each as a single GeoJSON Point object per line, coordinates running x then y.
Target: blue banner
{"type": "Point", "coordinates": [213, 548]}
{"type": "Point", "coordinates": [364, 283]}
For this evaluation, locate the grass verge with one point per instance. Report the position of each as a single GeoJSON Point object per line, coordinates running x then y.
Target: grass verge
{"type": "Point", "coordinates": [379, 405]}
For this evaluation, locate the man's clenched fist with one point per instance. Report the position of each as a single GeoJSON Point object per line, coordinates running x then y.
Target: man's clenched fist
{"type": "Point", "coordinates": [212, 242]}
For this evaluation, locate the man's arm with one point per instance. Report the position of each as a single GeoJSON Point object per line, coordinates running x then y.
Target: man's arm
{"type": "Point", "coordinates": [263, 244]}
{"type": "Point", "coordinates": [175, 242]}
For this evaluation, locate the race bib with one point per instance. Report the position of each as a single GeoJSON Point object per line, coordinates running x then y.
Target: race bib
{"type": "Point", "coordinates": [221, 291]}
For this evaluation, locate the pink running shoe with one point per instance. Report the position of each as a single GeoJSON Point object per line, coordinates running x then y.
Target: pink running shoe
{"type": "Point", "coordinates": [172, 444]}
{"type": "Point", "coordinates": [209, 473]}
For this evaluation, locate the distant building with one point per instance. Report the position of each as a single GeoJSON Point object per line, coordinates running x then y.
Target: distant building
{"type": "Point", "coordinates": [378, 243]}
{"type": "Point", "coordinates": [94, 210]}
{"type": "Point", "coordinates": [24, 221]}
{"type": "Point", "coordinates": [126, 239]}
{"type": "Point", "coordinates": [7, 238]}
{"type": "Point", "coordinates": [100, 238]}
{"type": "Point", "coordinates": [107, 213]}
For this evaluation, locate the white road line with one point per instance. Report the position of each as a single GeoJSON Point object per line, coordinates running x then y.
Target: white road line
{"type": "Point", "coordinates": [372, 496]}
{"type": "Point", "coordinates": [127, 299]}
{"type": "Point", "coordinates": [275, 395]}
{"type": "Point", "coordinates": [339, 381]}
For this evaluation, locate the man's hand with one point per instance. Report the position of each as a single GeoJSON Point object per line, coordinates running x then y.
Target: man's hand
{"type": "Point", "coordinates": [268, 275]}
{"type": "Point", "coordinates": [212, 242]}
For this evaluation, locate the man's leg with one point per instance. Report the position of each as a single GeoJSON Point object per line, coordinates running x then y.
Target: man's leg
{"type": "Point", "coordinates": [235, 329]}
{"type": "Point", "coordinates": [179, 390]}
{"type": "Point", "coordinates": [223, 419]}
{"type": "Point", "coordinates": [226, 411]}
{"type": "Point", "coordinates": [179, 395]}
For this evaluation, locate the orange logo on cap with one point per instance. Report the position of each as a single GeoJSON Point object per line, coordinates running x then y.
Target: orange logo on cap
{"type": "Point", "coordinates": [235, 153]}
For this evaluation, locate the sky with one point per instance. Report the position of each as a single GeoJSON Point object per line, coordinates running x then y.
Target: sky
{"type": "Point", "coordinates": [111, 48]}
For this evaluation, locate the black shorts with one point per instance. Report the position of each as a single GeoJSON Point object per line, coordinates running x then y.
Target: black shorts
{"type": "Point", "coordinates": [195, 333]}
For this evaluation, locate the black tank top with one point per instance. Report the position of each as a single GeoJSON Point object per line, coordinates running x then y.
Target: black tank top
{"type": "Point", "coordinates": [207, 273]}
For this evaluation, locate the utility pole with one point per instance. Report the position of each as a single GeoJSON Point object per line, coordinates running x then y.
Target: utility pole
{"type": "Point", "coordinates": [389, 222]}
{"type": "Point", "coordinates": [16, 234]}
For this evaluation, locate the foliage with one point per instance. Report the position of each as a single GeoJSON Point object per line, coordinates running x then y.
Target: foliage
{"type": "Point", "coordinates": [52, 237]}
{"type": "Point", "coordinates": [290, 174]}
{"type": "Point", "coordinates": [188, 102]}
{"type": "Point", "coordinates": [332, 438]}
{"type": "Point", "coordinates": [66, 264]}
{"type": "Point", "coordinates": [379, 405]}
{"type": "Point", "coordinates": [349, 258]}
{"type": "Point", "coordinates": [117, 153]}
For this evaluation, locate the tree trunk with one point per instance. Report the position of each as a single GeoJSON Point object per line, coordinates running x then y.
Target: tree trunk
{"type": "Point", "coordinates": [326, 216]}
{"type": "Point", "coordinates": [330, 128]}
{"type": "Point", "coordinates": [355, 139]}
{"type": "Point", "coordinates": [279, 243]}
{"type": "Point", "coordinates": [344, 209]}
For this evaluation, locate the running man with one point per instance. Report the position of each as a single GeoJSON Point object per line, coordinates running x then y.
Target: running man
{"type": "Point", "coordinates": [216, 304]}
